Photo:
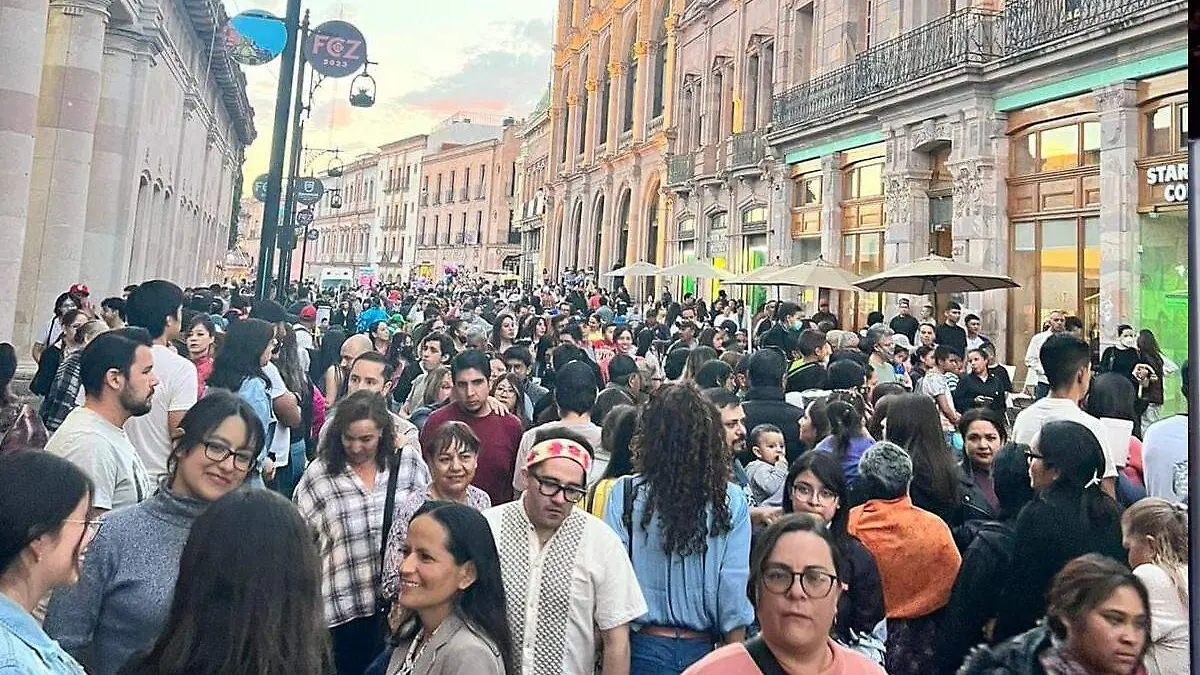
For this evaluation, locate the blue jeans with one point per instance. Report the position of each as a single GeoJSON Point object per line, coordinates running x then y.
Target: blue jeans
{"type": "Point", "coordinates": [656, 655]}
{"type": "Point", "coordinates": [286, 477]}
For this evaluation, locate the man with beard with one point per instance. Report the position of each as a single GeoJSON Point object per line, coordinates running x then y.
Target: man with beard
{"type": "Point", "coordinates": [117, 375]}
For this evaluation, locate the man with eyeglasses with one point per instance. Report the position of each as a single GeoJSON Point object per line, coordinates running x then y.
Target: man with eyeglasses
{"type": "Point", "coordinates": [565, 571]}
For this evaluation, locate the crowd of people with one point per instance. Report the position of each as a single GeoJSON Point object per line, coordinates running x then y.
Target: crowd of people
{"type": "Point", "coordinates": [471, 477]}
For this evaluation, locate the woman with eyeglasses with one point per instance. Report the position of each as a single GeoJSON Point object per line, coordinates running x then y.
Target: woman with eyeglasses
{"type": "Point", "coordinates": [688, 531]}
{"type": "Point", "coordinates": [815, 485]}
{"type": "Point", "coordinates": [238, 368]}
{"type": "Point", "coordinates": [916, 556]}
{"type": "Point", "coordinates": [1070, 516]}
{"type": "Point", "coordinates": [796, 580]}
{"type": "Point", "coordinates": [45, 528]}
{"type": "Point", "coordinates": [124, 592]}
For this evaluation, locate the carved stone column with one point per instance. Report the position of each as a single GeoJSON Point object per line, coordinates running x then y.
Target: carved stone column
{"type": "Point", "coordinates": [616, 105]}
{"type": "Point", "coordinates": [573, 130]}
{"type": "Point", "coordinates": [23, 31]}
{"type": "Point", "coordinates": [62, 159]}
{"type": "Point", "coordinates": [831, 217]}
{"type": "Point", "coordinates": [641, 92]}
{"type": "Point", "coordinates": [1118, 207]}
{"type": "Point", "coordinates": [592, 87]}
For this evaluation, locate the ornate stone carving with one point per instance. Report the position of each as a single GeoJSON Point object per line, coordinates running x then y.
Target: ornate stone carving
{"type": "Point", "coordinates": [897, 201]}
{"type": "Point", "coordinates": [1116, 96]}
{"type": "Point", "coordinates": [922, 134]}
{"type": "Point", "coordinates": [615, 68]}
{"type": "Point", "coordinates": [943, 130]}
{"type": "Point", "coordinates": [573, 100]}
{"type": "Point", "coordinates": [641, 48]}
{"type": "Point", "coordinates": [968, 188]}
{"type": "Point", "coordinates": [591, 84]}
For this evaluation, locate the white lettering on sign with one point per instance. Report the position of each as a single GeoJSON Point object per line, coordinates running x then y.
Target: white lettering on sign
{"type": "Point", "coordinates": [1173, 178]}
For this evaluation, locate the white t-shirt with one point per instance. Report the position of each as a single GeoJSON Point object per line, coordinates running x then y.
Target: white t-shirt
{"type": "Point", "coordinates": [1031, 420]}
{"type": "Point", "coordinates": [103, 451]}
{"type": "Point", "coordinates": [589, 431]}
{"type": "Point", "coordinates": [281, 441]}
{"type": "Point", "coordinates": [1169, 630]}
{"type": "Point", "coordinates": [1165, 458]}
{"type": "Point", "coordinates": [176, 392]}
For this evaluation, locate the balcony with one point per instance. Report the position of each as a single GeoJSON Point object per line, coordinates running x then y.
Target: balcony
{"type": "Point", "coordinates": [450, 196]}
{"type": "Point", "coordinates": [459, 239]}
{"type": "Point", "coordinates": [424, 200]}
{"type": "Point", "coordinates": [681, 168]}
{"type": "Point", "coordinates": [462, 194]}
{"type": "Point", "coordinates": [481, 194]}
{"type": "Point", "coordinates": [1032, 23]}
{"type": "Point", "coordinates": [437, 198]}
{"type": "Point", "coordinates": [746, 150]}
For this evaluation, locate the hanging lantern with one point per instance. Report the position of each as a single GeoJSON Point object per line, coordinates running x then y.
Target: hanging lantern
{"type": "Point", "coordinates": [335, 200]}
{"type": "Point", "coordinates": [335, 168]}
{"type": "Point", "coordinates": [362, 90]}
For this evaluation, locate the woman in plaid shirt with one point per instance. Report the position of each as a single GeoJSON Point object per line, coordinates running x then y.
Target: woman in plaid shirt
{"type": "Point", "coordinates": [342, 495]}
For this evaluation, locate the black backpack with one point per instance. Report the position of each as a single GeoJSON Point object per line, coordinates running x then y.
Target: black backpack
{"type": "Point", "coordinates": [47, 369]}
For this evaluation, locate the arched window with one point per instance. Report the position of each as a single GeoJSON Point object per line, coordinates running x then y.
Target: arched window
{"type": "Point", "coordinates": [605, 97]}
{"type": "Point", "coordinates": [583, 105]}
{"type": "Point", "coordinates": [660, 60]}
{"type": "Point", "coordinates": [566, 124]}
{"type": "Point", "coordinates": [630, 84]}
{"type": "Point", "coordinates": [623, 240]}
{"type": "Point", "coordinates": [652, 228]}
{"type": "Point", "coordinates": [598, 223]}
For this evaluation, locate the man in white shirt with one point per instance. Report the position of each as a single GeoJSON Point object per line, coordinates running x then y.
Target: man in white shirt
{"type": "Point", "coordinates": [1069, 371]}
{"type": "Point", "coordinates": [575, 394]}
{"type": "Point", "coordinates": [1165, 452]}
{"type": "Point", "coordinates": [117, 376]}
{"type": "Point", "coordinates": [566, 573]}
{"type": "Point", "coordinates": [157, 306]}
{"type": "Point", "coordinates": [1058, 323]}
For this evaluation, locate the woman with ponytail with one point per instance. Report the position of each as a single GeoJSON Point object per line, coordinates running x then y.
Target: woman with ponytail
{"type": "Point", "coordinates": [848, 438]}
{"type": "Point", "coordinates": [1155, 532]}
{"type": "Point", "coordinates": [1070, 516]}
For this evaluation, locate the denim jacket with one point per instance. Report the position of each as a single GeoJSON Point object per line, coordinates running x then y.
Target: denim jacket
{"type": "Point", "coordinates": [25, 649]}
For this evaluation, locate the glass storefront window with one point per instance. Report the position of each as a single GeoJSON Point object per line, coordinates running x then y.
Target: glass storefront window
{"type": "Point", "coordinates": [718, 221]}
{"type": "Point", "coordinates": [1059, 148]}
{"type": "Point", "coordinates": [1025, 156]}
{"type": "Point", "coordinates": [1181, 143]}
{"type": "Point", "coordinates": [1091, 144]}
{"type": "Point", "coordinates": [1162, 291]}
{"type": "Point", "coordinates": [807, 190]}
{"type": "Point", "coordinates": [1158, 132]}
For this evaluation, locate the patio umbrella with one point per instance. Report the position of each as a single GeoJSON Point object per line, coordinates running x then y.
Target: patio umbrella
{"type": "Point", "coordinates": [637, 269]}
{"type": "Point", "coordinates": [758, 277]}
{"type": "Point", "coordinates": [818, 273]}
{"type": "Point", "coordinates": [933, 275]}
{"type": "Point", "coordinates": [698, 269]}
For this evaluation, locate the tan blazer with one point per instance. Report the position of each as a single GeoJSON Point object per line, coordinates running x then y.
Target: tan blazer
{"type": "Point", "coordinates": [457, 648]}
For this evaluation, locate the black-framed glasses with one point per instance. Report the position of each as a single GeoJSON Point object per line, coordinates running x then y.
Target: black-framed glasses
{"type": "Point", "coordinates": [1030, 455]}
{"type": "Point", "coordinates": [814, 581]}
{"type": "Point", "coordinates": [806, 492]}
{"type": "Point", "coordinates": [91, 526]}
{"type": "Point", "coordinates": [549, 487]}
{"type": "Point", "coordinates": [219, 452]}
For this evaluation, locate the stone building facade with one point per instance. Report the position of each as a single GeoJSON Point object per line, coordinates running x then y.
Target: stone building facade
{"type": "Point", "coordinates": [1012, 136]}
{"type": "Point", "coordinates": [348, 223]}
{"type": "Point", "coordinates": [399, 174]}
{"type": "Point", "coordinates": [123, 138]}
{"type": "Point", "coordinates": [610, 109]}
{"type": "Point", "coordinates": [533, 183]}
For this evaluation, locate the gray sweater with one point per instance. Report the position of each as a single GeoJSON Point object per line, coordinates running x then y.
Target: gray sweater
{"type": "Point", "coordinates": [124, 592]}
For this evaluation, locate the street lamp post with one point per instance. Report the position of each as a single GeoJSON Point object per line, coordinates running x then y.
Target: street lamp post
{"type": "Point", "coordinates": [287, 237]}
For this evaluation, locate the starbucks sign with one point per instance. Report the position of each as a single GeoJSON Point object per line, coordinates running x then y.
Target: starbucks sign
{"type": "Point", "coordinates": [1173, 178]}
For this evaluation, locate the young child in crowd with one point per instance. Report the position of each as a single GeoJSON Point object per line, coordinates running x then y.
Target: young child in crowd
{"type": "Point", "coordinates": [769, 470]}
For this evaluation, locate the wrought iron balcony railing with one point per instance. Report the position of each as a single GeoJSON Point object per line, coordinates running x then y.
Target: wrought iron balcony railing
{"type": "Point", "coordinates": [966, 37]}
{"type": "Point", "coordinates": [681, 168]}
{"type": "Point", "coordinates": [747, 149]}
{"type": "Point", "coordinates": [1031, 23]}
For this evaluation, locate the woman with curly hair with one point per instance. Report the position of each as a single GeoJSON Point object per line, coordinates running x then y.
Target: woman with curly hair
{"type": "Point", "coordinates": [687, 531]}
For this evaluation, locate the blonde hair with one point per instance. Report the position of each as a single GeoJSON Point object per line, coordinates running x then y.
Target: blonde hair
{"type": "Point", "coordinates": [1166, 523]}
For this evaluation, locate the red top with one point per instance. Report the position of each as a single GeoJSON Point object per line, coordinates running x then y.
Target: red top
{"type": "Point", "coordinates": [204, 366]}
{"type": "Point", "coordinates": [500, 436]}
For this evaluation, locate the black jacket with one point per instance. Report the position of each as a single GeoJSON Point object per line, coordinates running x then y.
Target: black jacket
{"type": "Point", "coordinates": [906, 326]}
{"type": "Point", "coordinates": [975, 505]}
{"type": "Point", "coordinates": [970, 386]}
{"type": "Point", "coordinates": [805, 376]}
{"type": "Point", "coordinates": [976, 592]}
{"type": "Point", "coordinates": [1018, 656]}
{"type": "Point", "coordinates": [1050, 531]}
{"type": "Point", "coordinates": [765, 405]}
{"type": "Point", "coordinates": [954, 337]}
{"type": "Point", "coordinates": [861, 607]}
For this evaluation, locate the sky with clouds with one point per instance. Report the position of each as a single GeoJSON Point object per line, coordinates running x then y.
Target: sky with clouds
{"type": "Point", "coordinates": [435, 58]}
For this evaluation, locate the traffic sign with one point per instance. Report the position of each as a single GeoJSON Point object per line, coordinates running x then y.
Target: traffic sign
{"type": "Point", "coordinates": [304, 218]}
{"type": "Point", "coordinates": [254, 37]}
{"type": "Point", "coordinates": [309, 190]}
{"type": "Point", "coordinates": [260, 188]}
{"type": "Point", "coordinates": [312, 235]}
{"type": "Point", "coordinates": [336, 49]}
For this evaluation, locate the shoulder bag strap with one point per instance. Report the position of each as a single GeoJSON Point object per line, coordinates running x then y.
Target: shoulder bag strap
{"type": "Point", "coordinates": [763, 658]}
{"type": "Point", "coordinates": [389, 505]}
{"type": "Point", "coordinates": [627, 512]}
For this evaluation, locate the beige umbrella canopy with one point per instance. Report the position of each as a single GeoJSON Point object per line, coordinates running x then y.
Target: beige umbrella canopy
{"type": "Point", "coordinates": [758, 277]}
{"type": "Point", "coordinates": [637, 269]}
{"type": "Point", "coordinates": [818, 273]}
{"type": "Point", "coordinates": [696, 268]}
{"type": "Point", "coordinates": [932, 275]}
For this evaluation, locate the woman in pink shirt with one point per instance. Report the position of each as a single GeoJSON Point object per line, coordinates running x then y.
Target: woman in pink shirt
{"type": "Point", "coordinates": [794, 573]}
{"type": "Point", "coordinates": [201, 335]}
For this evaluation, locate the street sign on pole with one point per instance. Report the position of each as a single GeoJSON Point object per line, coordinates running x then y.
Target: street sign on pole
{"type": "Point", "coordinates": [260, 188]}
{"type": "Point", "coordinates": [312, 235]}
{"type": "Point", "coordinates": [254, 37]}
{"type": "Point", "coordinates": [336, 49]}
{"type": "Point", "coordinates": [304, 218]}
{"type": "Point", "coordinates": [309, 190]}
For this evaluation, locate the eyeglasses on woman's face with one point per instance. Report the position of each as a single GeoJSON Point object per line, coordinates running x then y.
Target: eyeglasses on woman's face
{"type": "Point", "coordinates": [1032, 456]}
{"type": "Point", "coordinates": [808, 493]}
{"type": "Point", "coordinates": [217, 451]}
{"type": "Point", "coordinates": [91, 526]}
{"type": "Point", "coordinates": [814, 581]}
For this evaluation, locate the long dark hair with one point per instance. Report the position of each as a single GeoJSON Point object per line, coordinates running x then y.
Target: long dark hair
{"type": "Point", "coordinates": [230, 596]}
{"type": "Point", "coordinates": [287, 360]}
{"type": "Point", "coordinates": [913, 423]}
{"type": "Point", "coordinates": [1075, 452]}
{"type": "Point", "coordinates": [40, 492]}
{"type": "Point", "coordinates": [828, 470]}
{"type": "Point", "coordinates": [769, 539]}
{"type": "Point", "coordinates": [205, 416]}
{"type": "Point", "coordinates": [1112, 395]}
{"type": "Point", "coordinates": [682, 454]}
{"type": "Point", "coordinates": [1149, 350]}
{"type": "Point", "coordinates": [330, 354]}
{"type": "Point", "coordinates": [845, 421]}
{"type": "Point", "coordinates": [469, 539]}
{"type": "Point", "coordinates": [1083, 584]}
{"type": "Point", "coordinates": [8, 369]}
{"type": "Point", "coordinates": [616, 436]}
{"type": "Point", "coordinates": [238, 360]}
{"type": "Point", "coordinates": [356, 407]}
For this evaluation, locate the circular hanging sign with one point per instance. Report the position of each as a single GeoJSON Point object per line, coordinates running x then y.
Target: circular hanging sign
{"type": "Point", "coordinates": [312, 235]}
{"type": "Point", "coordinates": [254, 37]}
{"type": "Point", "coordinates": [260, 188]}
{"type": "Point", "coordinates": [335, 49]}
{"type": "Point", "coordinates": [309, 190]}
{"type": "Point", "coordinates": [304, 218]}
